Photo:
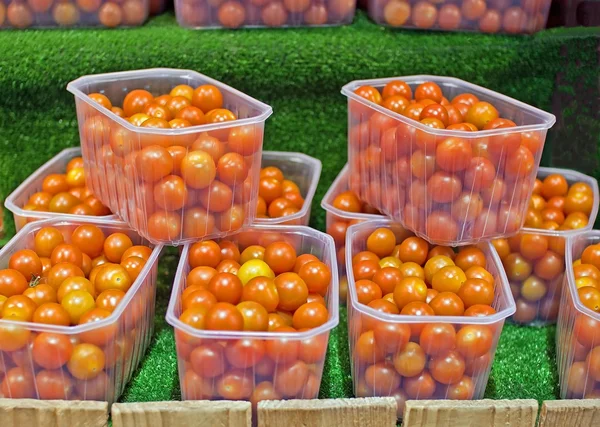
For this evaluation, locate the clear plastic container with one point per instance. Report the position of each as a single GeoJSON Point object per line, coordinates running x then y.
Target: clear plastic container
{"type": "Point", "coordinates": [538, 295]}
{"type": "Point", "coordinates": [18, 198]}
{"type": "Point", "coordinates": [311, 345]}
{"type": "Point", "coordinates": [395, 165]}
{"type": "Point", "coordinates": [578, 331]}
{"type": "Point", "coordinates": [166, 210]}
{"type": "Point", "coordinates": [337, 223]}
{"type": "Point", "coordinates": [262, 13]}
{"type": "Point", "coordinates": [123, 337]}
{"type": "Point", "coordinates": [376, 367]}
{"type": "Point", "coordinates": [19, 14]}
{"type": "Point", "coordinates": [497, 16]}
{"type": "Point", "coordinates": [303, 170]}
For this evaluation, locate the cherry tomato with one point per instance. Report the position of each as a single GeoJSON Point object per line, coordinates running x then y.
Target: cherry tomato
{"type": "Point", "coordinates": [12, 282]}
{"type": "Point", "coordinates": [448, 279]}
{"type": "Point", "coordinates": [292, 291]}
{"type": "Point", "coordinates": [263, 291]}
{"type": "Point", "coordinates": [224, 316]}
{"type": "Point", "coordinates": [437, 338]}
{"type": "Point", "coordinates": [86, 362]}
{"type": "Point", "coordinates": [51, 313]}
{"type": "Point", "coordinates": [51, 351]}
{"type": "Point", "coordinates": [77, 303]}
{"type": "Point", "coordinates": [256, 317]}
{"type": "Point", "coordinates": [255, 268]}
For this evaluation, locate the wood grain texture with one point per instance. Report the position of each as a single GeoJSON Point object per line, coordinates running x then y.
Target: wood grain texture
{"type": "Point", "coordinates": [364, 412]}
{"type": "Point", "coordinates": [52, 413]}
{"type": "Point", "coordinates": [475, 413]}
{"type": "Point", "coordinates": [181, 414]}
{"type": "Point", "coordinates": [570, 413]}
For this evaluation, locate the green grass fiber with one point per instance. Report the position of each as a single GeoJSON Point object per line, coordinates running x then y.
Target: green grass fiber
{"type": "Point", "coordinates": [300, 72]}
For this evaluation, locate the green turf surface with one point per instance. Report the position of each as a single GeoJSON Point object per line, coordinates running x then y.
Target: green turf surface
{"type": "Point", "coordinates": [300, 72]}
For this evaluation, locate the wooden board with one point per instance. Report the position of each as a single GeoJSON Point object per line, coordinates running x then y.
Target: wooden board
{"type": "Point", "coordinates": [182, 414]}
{"type": "Point", "coordinates": [476, 413]}
{"type": "Point", "coordinates": [52, 413]}
{"type": "Point", "coordinates": [570, 413]}
{"type": "Point", "coordinates": [364, 412]}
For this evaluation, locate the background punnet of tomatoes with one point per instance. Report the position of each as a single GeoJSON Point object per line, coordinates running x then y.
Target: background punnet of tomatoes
{"type": "Point", "coordinates": [451, 161]}
{"type": "Point", "coordinates": [196, 145]}
{"type": "Point", "coordinates": [504, 16]}
{"type": "Point", "coordinates": [82, 13]}
{"type": "Point", "coordinates": [262, 13]}
{"type": "Point", "coordinates": [76, 309]}
{"type": "Point", "coordinates": [57, 188]}
{"type": "Point", "coordinates": [424, 320]}
{"type": "Point", "coordinates": [578, 330]}
{"type": "Point", "coordinates": [252, 315]}
{"type": "Point", "coordinates": [286, 188]}
{"type": "Point", "coordinates": [563, 202]}
{"type": "Point", "coordinates": [343, 209]}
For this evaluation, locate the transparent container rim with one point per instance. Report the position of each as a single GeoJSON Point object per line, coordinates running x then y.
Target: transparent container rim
{"type": "Point", "coordinates": [570, 175]}
{"type": "Point", "coordinates": [547, 120]}
{"type": "Point", "coordinates": [10, 204]}
{"type": "Point", "coordinates": [314, 165]}
{"type": "Point", "coordinates": [155, 73]}
{"type": "Point", "coordinates": [327, 201]}
{"type": "Point", "coordinates": [116, 314]}
{"type": "Point", "coordinates": [587, 235]}
{"type": "Point", "coordinates": [403, 318]}
{"type": "Point", "coordinates": [332, 306]}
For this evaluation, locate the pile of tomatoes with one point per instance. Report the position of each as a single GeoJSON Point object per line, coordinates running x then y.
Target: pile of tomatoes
{"type": "Point", "coordinates": [67, 194]}
{"type": "Point", "coordinates": [235, 14]}
{"type": "Point", "coordinates": [258, 289]}
{"type": "Point", "coordinates": [70, 277]}
{"type": "Point", "coordinates": [277, 196]}
{"type": "Point", "coordinates": [51, 13]}
{"type": "Point", "coordinates": [337, 227]}
{"type": "Point", "coordinates": [587, 278]}
{"type": "Point", "coordinates": [451, 189]}
{"type": "Point", "coordinates": [513, 17]}
{"type": "Point", "coordinates": [578, 336]}
{"type": "Point", "coordinates": [534, 263]}
{"type": "Point", "coordinates": [420, 360]}
{"type": "Point", "coordinates": [186, 186]}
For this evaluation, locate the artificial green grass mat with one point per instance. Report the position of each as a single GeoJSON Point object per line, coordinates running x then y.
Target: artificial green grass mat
{"type": "Point", "coordinates": [300, 72]}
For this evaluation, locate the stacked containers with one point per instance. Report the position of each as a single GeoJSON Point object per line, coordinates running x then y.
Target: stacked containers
{"type": "Point", "coordinates": [123, 336]}
{"type": "Point", "coordinates": [261, 13]}
{"type": "Point", "coordinates": [496, 16]}
{"type": "Point", "coordinates": [578, 330]}
{"type": "Point", "coordinates": [306, 348]}
{"type": "Point", "coordinates": [396, 165]}
{"type": "Point", "coordinates": [367, 356]}
{"type": "Point", "coordinates": [110, 148]}
{"type": "Point", "coordinates": [337, 223]}
{"type": "Point", "coordinates": [304, 171]}
{"type": "Point", "coordinates": [19, 198]}
{"type": "Point", "coordinates": [83, 13]}
{"type": "Point", "coordinates": [541, 256]}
